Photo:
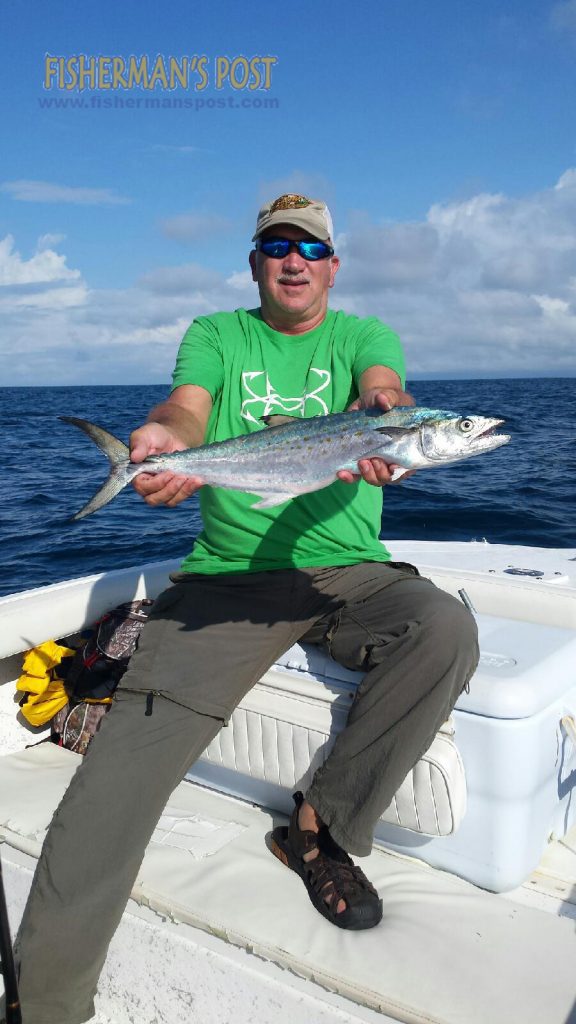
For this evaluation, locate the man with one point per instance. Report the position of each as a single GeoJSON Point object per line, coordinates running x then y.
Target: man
{"type": "Point", "coordinates": [255, 582]}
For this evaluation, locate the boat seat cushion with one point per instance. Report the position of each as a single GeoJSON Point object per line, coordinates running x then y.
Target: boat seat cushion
{"type": "Point", "coordinates": [285, 727]}
{"type": "Point", "coordinates": [475, 956]}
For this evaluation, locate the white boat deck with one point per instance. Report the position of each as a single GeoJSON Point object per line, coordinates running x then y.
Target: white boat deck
{"type": "Point", "coordinates": [219, 930]}
{"type": "Point", "coordinates": [208, 867]}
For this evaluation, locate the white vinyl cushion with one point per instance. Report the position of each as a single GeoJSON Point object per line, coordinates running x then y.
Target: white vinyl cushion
{"type": "Point", "coordinates": [444, 953]}
{"type": "Point", "coordinates": [430, 801]}
{"type": "Point", "coordinates": [286, 725]}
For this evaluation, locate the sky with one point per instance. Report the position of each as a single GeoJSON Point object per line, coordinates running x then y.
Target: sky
{"type": "Point", "coordinates": [442, 135]}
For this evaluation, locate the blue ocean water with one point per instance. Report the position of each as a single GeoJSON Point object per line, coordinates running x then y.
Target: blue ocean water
{"type": "Point", "coordinates": [523, 493]}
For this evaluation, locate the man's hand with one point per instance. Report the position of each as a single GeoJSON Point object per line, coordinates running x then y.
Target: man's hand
{"type": "Point", "coordinates": [376, 471]}
{"type": "Point", "coordinates": [386, 398]}
{"type": "Point", "coordinates": [176, 424]}
{"type": "Point", "coordinates": [160, 488]}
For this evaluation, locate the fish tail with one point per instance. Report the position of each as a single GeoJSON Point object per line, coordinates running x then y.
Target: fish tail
{"type": "Point", "coordinates": [118, 455]}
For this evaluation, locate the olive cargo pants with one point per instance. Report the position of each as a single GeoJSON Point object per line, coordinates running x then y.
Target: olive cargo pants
{"type": "Point", "coordinates": [208, 640]}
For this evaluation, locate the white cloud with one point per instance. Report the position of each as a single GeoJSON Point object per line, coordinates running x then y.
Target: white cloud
{"type": "Point", "coordinates": [393, 254]}
{"type": "Point", "coordinates": [241, 280]}
{"type": "Point", "coordinates": [568, 179]}
{"type": "Point", "coordinates": [43, 282]}
{"type": "Point", "coordinates": [46, 298]}
{"type": "Point", "coordinates": [48, 240]}
{"type": "Point", "coordinates": [482, 286]}
{"type": "Point", "coordinates": [44, 266]}
{"type": "Point", "coordinates": [47, 192]}
{"type": "Point", "coordinates": [182, 280]}
{"type": "Point", "coordinates": [193, 227]}
{"type": "Point", "coordinates": [71, 334]}
{"type": "Point", "coordinates": [486, 283]}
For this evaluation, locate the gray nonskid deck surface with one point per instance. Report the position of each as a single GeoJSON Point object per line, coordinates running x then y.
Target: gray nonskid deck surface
{"type": "Point", "coordinates": [445, 952]}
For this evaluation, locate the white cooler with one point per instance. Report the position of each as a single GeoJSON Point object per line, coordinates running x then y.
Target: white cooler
{"type": "Point", "coordinates": [497, 783]}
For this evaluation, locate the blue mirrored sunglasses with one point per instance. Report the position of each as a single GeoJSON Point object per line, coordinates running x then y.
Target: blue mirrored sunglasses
{"type": "Point", "coordinates": [278, 248]}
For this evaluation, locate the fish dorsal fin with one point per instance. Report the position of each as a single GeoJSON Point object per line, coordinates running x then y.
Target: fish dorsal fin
{"type": "Point", "coordinates": [276, 420]}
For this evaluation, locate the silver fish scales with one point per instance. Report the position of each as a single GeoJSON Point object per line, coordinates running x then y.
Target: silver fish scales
{"type": "Point", "coordinates": [296, 456]}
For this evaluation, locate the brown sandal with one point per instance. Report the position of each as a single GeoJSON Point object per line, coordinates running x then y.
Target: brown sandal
{"type": "Point", "coordinates": [330, 871]}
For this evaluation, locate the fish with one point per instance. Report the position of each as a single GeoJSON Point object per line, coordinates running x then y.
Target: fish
{"type": "Point", "coordinates": [297, 455]}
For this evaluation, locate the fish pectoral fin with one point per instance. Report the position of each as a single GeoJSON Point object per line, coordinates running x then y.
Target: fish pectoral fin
{"type": "Point", "coordinates": [277, 498]}
{"type": "Point", "coordinates": [393, 433]}
{"type": "Point", "coordinates": [398, 473]}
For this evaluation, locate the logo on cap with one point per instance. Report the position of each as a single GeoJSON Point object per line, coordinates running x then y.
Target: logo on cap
{"type": "Point", "coordinates": [290, 202]}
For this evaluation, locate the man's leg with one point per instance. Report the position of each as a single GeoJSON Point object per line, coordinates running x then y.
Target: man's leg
{"type": "Point", "coordinates": [208, 640]}
{"type": "Point", "coordinates": [94, 849]}
{"type": "Point", "coordinates": [418, 648]}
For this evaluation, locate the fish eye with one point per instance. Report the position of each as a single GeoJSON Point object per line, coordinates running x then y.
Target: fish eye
{"type": "Point", "coordinates": [466, 426]}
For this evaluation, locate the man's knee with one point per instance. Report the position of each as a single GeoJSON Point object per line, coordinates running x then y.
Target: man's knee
{"type": "Point", "coordinates": [436, 625]}
{"type": "Point", "coordinates": [447, 613]}
{"type": "Point", "coordinates": [411, 615]}
{"type": "Point", "coordinates": [447, 623]}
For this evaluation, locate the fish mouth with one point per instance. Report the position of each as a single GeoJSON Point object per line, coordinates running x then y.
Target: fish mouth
{"type": "Point", "coordinates": [487, 438]}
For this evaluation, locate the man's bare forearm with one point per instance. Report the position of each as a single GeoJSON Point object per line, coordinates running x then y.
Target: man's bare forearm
{"type": "Point", "coordinates": [396, 396]}
{"type": "Point", "coordinates": [379, 385]}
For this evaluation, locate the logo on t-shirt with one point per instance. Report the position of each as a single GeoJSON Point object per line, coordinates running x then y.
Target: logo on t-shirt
{"type": "Point", "coordinates": [264, 400]}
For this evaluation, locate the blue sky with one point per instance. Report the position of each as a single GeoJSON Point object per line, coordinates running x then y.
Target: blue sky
{"type": "Point", "coordinates": [442, 136]}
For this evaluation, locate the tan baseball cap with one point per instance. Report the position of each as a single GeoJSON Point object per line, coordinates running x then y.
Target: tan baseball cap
{"type": "Point", "coordinates": [311, 215]}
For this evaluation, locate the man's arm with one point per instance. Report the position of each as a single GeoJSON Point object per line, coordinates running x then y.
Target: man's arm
{"type": "Point", "coordinates": [379, 386]}
{"type": "Point", "coordinates": [179, 422]}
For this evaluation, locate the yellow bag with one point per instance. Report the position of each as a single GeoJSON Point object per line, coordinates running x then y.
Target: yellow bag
{"type": "Point", "coordinates": [44, 693]}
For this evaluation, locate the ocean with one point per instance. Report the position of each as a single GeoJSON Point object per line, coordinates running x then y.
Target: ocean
{"type": "Point", "coordinates": [523, 493]}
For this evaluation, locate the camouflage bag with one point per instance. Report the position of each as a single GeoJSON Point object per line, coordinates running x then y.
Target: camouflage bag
{"type": "Point", "coordinates": [95, 672]}
{"type": "Point", "coordinates": [100, 664]}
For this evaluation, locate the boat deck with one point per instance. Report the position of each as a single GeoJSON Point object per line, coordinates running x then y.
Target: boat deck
{"type": "Point", "coordinates": [209, 868]}
{"type": "Point", "coordinates": [219, 930]}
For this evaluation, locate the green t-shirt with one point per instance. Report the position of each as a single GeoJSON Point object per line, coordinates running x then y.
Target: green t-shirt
{"type": "Point", "coordinates": [251, 371]}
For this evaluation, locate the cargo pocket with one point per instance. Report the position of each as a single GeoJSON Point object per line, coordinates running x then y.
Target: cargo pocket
{"type": "Point", "coordinates": [350, 641]}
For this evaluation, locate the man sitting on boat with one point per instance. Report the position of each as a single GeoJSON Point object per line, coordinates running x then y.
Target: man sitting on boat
{"type": "Point", "coordinates": [255, 582]}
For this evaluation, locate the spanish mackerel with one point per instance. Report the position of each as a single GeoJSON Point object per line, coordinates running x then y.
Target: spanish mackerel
{"type": "Point", "coordinates": [295, 456]}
